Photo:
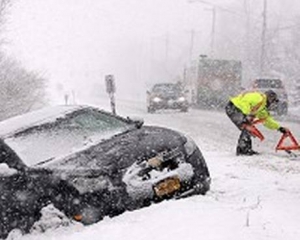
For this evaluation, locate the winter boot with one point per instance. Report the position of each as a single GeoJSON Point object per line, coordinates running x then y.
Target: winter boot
{"type": "Point", "coordinates": [240, 152]}
{"type": "Point", "coordinates": [245, 144]}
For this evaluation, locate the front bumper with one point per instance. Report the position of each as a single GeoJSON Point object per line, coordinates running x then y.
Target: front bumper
{"type": "Point", "coordinates": [169, 104]}
{"type": "Point", "coordinates": [144, 181]}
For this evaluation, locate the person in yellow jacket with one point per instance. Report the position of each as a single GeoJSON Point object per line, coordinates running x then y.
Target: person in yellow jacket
{"type": "Point", "coordinates": [243, 108]}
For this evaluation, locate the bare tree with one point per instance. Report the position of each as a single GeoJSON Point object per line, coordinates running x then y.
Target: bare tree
{"type": "Point", "coordinates": [4, 6]}
{"type": "Point", "coordinates": [20, 90]}
{"type": "Point", "coordinates": [4, 10]}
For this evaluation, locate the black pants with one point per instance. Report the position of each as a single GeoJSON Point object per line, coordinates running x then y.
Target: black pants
{"type": "Point", "coordinates": [244, 144]}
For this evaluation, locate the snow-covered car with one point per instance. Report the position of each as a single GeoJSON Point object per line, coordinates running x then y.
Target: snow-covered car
{"type": "Point", "coordinates": [166, 96]}
{"type": "Point", "coordinates": [264, 84]}
{"type": "Point", "coordinates": [90, 163]}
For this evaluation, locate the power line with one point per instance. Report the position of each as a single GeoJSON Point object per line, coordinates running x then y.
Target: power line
{"type": "Point", "coordinates": [228, 10]}
{"type": "Point", "coordinates": [218, 7]}
{"type": "Point", "coordinates": [289, 27]}
{"type": "Point", "coordinates": [263, 39]}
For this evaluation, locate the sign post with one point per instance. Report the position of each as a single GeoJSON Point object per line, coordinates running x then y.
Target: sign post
{"type": "Point", "coordinates": [111, 89]}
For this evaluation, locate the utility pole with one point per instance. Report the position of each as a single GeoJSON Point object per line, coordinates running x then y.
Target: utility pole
{"type": "Point", "coordinates": [263, 40]}
{"type": "Point", "coordinates": [192, 44]}
{"type": "Point", "coordinates": [247, 33]}
{"type": "Point", "coordinates": [167, 43]}
{"type": "Point", "coordinates": [213, 32]}
{"type": "Point", "coordinates": [167, 47]}
{"type": "Point", "coordinates": [247, 47]}
{"type": "Point", "coordinates": [213, 9]}
{"type": "Point", "coordinates": [213, 27]}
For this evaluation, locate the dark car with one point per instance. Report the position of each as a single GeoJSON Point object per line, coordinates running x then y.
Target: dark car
{"type": "Point", "coordinates": [91, 164]}
{"type": "Point", "coordinates": [167, 96]}
{"type": "Point", "coordinates": [275, 84]}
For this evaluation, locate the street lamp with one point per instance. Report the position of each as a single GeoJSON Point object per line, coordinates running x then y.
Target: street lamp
{"type": "Point", "coordinates": [213, 27]}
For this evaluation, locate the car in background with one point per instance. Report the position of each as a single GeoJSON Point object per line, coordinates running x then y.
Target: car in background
{"type": "Point", "coordinates": [275, 84]}
{"type": "Point", "coordinates": [167, 96]}
{"type": "Point", "coordinates": [90, 163]}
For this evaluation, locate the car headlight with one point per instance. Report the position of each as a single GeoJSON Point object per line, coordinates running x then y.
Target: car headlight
{"type": "Point", "coordinates": [181, 99]}
{"type": "Point", "coordinates": [190, 146]}
{"type": "Point", "coordinates": [156, 99]}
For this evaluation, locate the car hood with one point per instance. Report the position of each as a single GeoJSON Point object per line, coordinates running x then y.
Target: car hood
{"type": "Point", "coordinates": [119, 152]}
{"type": "Point", "coordinates": [281, 93]}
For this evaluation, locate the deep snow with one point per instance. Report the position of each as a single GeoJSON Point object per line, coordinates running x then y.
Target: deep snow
{"type": "Point", "coordinates": [251, 197]}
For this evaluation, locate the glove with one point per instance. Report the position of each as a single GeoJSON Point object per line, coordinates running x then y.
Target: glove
{"type": "Point", "coordinates": [283, 130]}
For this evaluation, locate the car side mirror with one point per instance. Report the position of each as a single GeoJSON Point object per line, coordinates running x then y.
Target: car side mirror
{"type": "Point", "coordinates": [6, 171]}
{"type": "Point", "coordinates": [138, 122]}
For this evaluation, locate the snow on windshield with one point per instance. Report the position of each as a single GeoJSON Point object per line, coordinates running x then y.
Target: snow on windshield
{"type": "Point", "coordinates": [65, 136]}
{"type": "Point", "coordinates": [166, 87]}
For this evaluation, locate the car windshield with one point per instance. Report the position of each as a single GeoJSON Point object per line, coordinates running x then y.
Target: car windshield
{"type": "Point", "coordinates": [167, 89]}
{"type": "Point", "coordinates": [268, 83]}
{"type": "Point", "coordinates": [66, 135]}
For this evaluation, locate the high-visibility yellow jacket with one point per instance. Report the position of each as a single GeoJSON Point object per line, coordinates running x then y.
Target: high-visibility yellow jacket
{"type": "Point", "coordinates": [254, 103]}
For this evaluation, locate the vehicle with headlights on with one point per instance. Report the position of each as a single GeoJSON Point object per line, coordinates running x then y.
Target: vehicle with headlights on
{"type": "Point", "coordinates": [277, 85]}
{"type": "Point", "coordinates": [167, 96]}
{"type": "Point", "coordinates": [90, 163]}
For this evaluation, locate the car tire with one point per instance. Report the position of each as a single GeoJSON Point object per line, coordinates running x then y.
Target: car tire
{"type": "Point", "coordinates": [150, 110]}
{"type": "Point", "coordinates": [184, 109]}
{"type": "Point", "coordinates": [282, 110]}
{"type": "Point", "coordinates": [90, 215]}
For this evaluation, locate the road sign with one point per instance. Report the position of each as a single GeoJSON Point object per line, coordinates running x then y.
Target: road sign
{"type": "Point", "coordinates": [111, 89]}
{"type": "Point", "coordinates": [110, 84]}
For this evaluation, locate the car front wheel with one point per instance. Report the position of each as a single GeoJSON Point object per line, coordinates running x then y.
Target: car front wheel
{"type": "Point", "coordinates": [150, 110]}
{"type": "Point", "coordinates": [282, 110]}
{"type": "Point", "coordinates": [185, 109]}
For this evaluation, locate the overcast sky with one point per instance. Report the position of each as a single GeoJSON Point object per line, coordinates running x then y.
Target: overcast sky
{"type": "Point", "coordinates": [75, 43]}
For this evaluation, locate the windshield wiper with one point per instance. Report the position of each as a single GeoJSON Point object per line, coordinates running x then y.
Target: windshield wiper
{"type": "Point", "coordinates": [45, 161]}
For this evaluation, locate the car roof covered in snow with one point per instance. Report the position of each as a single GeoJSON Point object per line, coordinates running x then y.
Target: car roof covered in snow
{"type": "Point", "coordinates": [16, 124]}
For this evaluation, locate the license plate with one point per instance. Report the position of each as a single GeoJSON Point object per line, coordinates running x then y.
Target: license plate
{"type": "Point", "coordinates": [167, 186]}
{"type": "Point", "coordinates": [171, 102]}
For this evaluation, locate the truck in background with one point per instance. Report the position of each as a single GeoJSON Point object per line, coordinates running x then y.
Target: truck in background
{"type": "Point", "coordinates": [216, 81]}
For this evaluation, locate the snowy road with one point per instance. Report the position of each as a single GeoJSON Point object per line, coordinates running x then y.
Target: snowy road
{"type": "Point", "coordinates": [251, 197]}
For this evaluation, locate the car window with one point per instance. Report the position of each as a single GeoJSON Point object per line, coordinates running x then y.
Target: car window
{"type": "Point", "coordinates": [166, 88]}
{"type": "Point", "coordinates": [96, 122]}
{"type": "Point", "coordinates": [268, 83]}
{"type": "Point", "coordinates": [65, 135]}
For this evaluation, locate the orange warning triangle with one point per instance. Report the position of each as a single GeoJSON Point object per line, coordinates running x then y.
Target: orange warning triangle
{"type": "Point", "coordinates": [254, 131]}
{"type": "Point", "coordinates": [287, 142]}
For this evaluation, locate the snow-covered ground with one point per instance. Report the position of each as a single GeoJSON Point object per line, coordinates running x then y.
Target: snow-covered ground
{"type": "Point", "coordinates": [250, 198]}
